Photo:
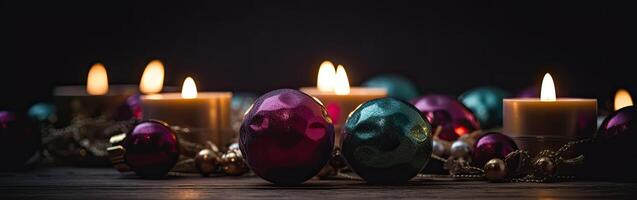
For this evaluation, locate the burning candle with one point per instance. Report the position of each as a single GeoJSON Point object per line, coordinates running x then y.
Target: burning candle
{"type": "Point", "coordinates": [333, 90]}
{"type": "Point", "coordinates": [548, 122]}
{"type": "Point", "coordinates": [205, 114]}
{"type": "Point", "coordinates": [96, 99]}
{"type": "Point", "coordinates": [622, 99]}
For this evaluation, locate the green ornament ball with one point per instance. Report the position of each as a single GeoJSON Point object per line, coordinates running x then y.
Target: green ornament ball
{"type": "Point", "coordinates": [386, 141]}
{"type": "Point", "coordinates": [397, 86]}
{"type": "Point", "coordinates": [486, 105]}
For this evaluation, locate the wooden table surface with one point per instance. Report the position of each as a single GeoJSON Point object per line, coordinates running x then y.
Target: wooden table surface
{"type": "Point", "coordinates": [105, 183]}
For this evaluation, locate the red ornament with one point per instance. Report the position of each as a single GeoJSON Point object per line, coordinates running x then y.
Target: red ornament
{"type": "Point", "coordinates": [151, 149]}
{"type": "Point", "coordinates": [448, 113]}
{"type": "Point", "coordinates": [286, 137]}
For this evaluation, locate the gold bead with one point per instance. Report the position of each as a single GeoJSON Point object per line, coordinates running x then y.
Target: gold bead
{"type": "Point", "coordinates": [337, 161]}
{"type": "Point", "coordinates": [495, 170]}
{"type": "Point", "coordinates": [544, 167]}
{"type": "Point", "coordinates": [207, 162]}
{"type": "Point", "coordinates": [233, 164]}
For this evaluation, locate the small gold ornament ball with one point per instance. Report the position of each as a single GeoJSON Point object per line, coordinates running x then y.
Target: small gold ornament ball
{"type": "Point", "coordinates": [495, 170]}
{"type": "Point", "coordinates": [337, 162]}
{"type": "Point", "coordinates": [544, 167]}
{"type": "Point", "coordinates": [233, 164]}
{"type": "Point", "coordinates": [207, 162]}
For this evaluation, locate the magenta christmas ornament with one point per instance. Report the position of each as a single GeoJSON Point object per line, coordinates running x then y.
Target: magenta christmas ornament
{"type": "Point", "coordinates": [286, 137]}
{"type": "Point", "coordinates": [453, 118]}
{"type": "Point", "coordinates": [21, 140]}
{"type": "Point", "coordinates": [151, 149]}
{"type": "Point", "coordinates": [492, 145]}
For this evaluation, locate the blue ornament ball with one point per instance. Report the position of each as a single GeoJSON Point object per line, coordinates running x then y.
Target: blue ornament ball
{"type": "Point", "coordinates": [239, 104]}
{"type": "Point", "coordinates": [486, 105]}
{"type": "Point", "coordinates": [397, 86]}
{"type": "Point", "coordinates": [43, 112]}
{"type": "Point", "coordinates": [386, 141]}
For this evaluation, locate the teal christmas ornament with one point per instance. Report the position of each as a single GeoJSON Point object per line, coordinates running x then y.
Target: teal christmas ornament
{"type": "Point", "coordinates": [397, 86]}
{"type": "Point", "coordinates": [239, 104]}
{"type": "Point", "coordinates": [486, 105]}
{"type": "Point", "coordinates": [386, 141]}
{"type": "Point", "coordinates": [43, 112]}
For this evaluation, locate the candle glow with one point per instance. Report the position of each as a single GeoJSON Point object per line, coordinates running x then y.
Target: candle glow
{"type": "Point", "coordinates": [548, 89]}
{"type": "Point", "coordinates": [97, 81]}
{"type": "Point", "coordinates": [189, 89]}
{"type": "Point", "coordinates": [341, 83]}
{"type": "Point", "coordinates": [622, 99]}
{"type": "Point", "coordinates": [325, 81]}
{"type": "Point", "coordinates": [153, 78]}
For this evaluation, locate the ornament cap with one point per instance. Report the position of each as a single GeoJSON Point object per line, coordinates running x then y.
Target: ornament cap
{"type": "Point", "coordinates": [116, 155]}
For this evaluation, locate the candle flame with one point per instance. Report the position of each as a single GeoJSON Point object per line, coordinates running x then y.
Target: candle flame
{"type": "Point", "coordinates": [326, 75]}
{"type": "Point", "coordinates": [622, 99]}
{"type": "Point", "coordinates": [548, 89]}
{"type": "Point", "coordinates": [189, 89]}
{"type": "Point", "coordinates": [97, 81]}
{"type": "Point", "coordinates": [341, 83]}
{"type": "Point", "coordinates": [153, 78]}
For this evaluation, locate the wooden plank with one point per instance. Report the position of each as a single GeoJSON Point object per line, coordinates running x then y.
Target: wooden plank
{"type": "Point", "coordinates": [91, 183]}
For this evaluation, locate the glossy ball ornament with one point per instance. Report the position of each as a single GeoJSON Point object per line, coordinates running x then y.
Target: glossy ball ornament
{"type": "Point", "coordinates": [492, 145]}
{"type": "Point", "coordinates": [386, 141]}
{"type": "Point", "coordinates": [151, 149]}
{"type": "Point", "coordinates": [287, 137]}
{"type": "Point", "coordinates": [397, 86]}
{"type": "Point", "coordinates": [233, 164]}
{"type": "Point", "coordinates": [134, 104]}
{"type": "Point", "coordinates": [486, 105]}
{"type": "Point", "coordinates": [43, 112]}
{"type": "Point", "coordinates": [239, 104]}
{"type": "Point", "coordinates": [544, 167]}
{"type": "Point", "coordinates": [234, 146]}
{"type": "Point", "coordinates": [621, 125]}
{"type": "Point", "coordinates": [449, 114]}
{"type": "Point", "coordinates": [529, 92]}
{"type": "Point", "coordinates": [495, 170]}
{"type": "Point", "coordinates": [337, 162]}
{"type": "Point", "coordinates": [207, 162]}
{"type": "Point", "coordinates": [460, 149]}
{"type": "Point", "coordinates": [439, 149]}
{"type": "Point", "coordinates": [20, 140]}
{"type": "Point", "coordinates": [615, 143]}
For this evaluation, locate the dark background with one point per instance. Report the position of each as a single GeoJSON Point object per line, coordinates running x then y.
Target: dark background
{"type": "Point", "coordinates": [259, 46]}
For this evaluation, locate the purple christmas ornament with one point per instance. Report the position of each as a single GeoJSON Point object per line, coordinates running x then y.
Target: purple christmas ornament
{"type": "Point", "coordinates": [286, 137]}
{"type": "Point", "coordinates": [530, 92]}
{"type": "Point", "coordinates": [619, 126]}
{"type": "Point", "coordinates": [151, 149]}
{"type": "Point", "coordinates": [610, 157]}
{"type": "Point", "coordinates": [492, 145]}
{"type": "Point", "coordinates": [20, 140]}
{"type": "Point", "coordinates": [449, 114]}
